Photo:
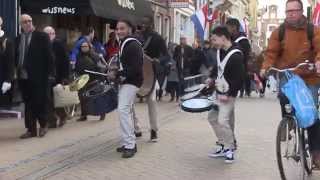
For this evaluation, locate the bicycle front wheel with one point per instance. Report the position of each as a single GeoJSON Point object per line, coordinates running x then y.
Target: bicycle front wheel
{"type": "Point", "coordinates": [288, 150]}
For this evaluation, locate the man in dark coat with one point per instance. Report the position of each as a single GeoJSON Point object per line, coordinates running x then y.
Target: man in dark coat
{"type": "Point", "coordinates": [155, 47]}
{"type": "Point", "coordinates": [34, 62]}
{"type": "Point", "coordinates": [183, 54]}
{"type": "Point", "coordinates": [6, 68]}
{"type": "Point", "coordinates": [243, 42]}
{"type": "Point", "coordinates": [61, 62]}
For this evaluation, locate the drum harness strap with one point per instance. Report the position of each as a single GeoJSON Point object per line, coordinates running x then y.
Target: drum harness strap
{"type": "Point", "coordinates": [221, 67]}
{"type": "Point", "coordinates": [121, 50]}
{"type": "Point", "coordinates": [240, 39]}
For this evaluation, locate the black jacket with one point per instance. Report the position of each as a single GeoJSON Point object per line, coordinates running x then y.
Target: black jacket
{"type": "Point", "coordinates": [6, 68]}
{"type": "Point", "coordinates": [198, 59]}
{"type": "Point", "coordinates": [39, 65]}
{"type": "Point", "coordinates": [188, 54]}
{"type": "Point", "coordinates": [61, 61]}
{"type": "Point", "coordinates": [132, 62]}
{"type": "Point", "coordinates": [88, 61]}
{"type": "Point", "coordinates": [157, 48]}
{"type": "Point", "coordinates": [233, 72]}
{"type": "Point", "coordinates": [245, 47]}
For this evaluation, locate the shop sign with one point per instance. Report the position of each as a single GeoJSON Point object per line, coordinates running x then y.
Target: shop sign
{"type": "Point", "coordinates": [58, 10]}
{"type": "Point", "coordinates": [126, 4]}
{"type": "Point", "coordinates": [179, 3]}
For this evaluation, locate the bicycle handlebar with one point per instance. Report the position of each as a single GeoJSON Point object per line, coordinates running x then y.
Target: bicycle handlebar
{"type": "Point", "coordinates": [311, 66]}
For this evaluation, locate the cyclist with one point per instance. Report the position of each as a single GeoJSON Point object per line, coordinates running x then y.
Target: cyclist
{"type": "Point", "coordinates": [292, 43]}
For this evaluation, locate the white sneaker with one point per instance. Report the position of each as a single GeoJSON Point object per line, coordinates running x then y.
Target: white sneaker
{"type": "Point", "coordinates": [218, 152]}
{"type": "Point", "coordinates": [229, 156]}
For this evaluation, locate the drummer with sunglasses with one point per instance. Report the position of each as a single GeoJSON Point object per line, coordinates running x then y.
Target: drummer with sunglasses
{"type": "Point", "coordinates": [227, 77]}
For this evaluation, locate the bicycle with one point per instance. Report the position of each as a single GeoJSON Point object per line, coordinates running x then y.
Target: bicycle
{"type": "Point", "coordinates": [292, 143]}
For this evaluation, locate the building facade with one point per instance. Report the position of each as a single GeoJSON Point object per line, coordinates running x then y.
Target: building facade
{"type": "Point", "coordinates": [268, 21]}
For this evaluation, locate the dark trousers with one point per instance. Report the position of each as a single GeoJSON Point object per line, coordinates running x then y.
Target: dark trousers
{"type": "Point", "coordinates": [32, 115]}
{"type": "Point", "coordinates": [246, 86]}
{"type": "Point", "coordinates": [264, 84]}
{"type": "Point", "coordinates": [173, 89]}
{"type": "Point", "coordinates": [83, 102]}
{"type": "Point", "coordinates": [313, 131]}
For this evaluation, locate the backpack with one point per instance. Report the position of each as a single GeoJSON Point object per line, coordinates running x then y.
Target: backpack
{"type": "Point", "coordinates": [310, 34]}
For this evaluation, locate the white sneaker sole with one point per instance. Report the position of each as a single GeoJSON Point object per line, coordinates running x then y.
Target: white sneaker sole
{"type": "Point", "coordinates": [216, 155]}
{"type": "Point", "coordinates": [228, 161]}
{"type": "Point", "coordinates": [153, 140]}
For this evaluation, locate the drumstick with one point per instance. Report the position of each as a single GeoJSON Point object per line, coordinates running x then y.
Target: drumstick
{"type": "Point", "coordinates": [97, 73]}
{"type": "Point", "coordinates": [103, 60]}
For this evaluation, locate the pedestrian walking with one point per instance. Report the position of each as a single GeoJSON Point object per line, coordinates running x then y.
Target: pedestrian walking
{"type": "Point", "coordinates": [183, 54]}
{"type": "Point", "coordinates": [155, 47]}
{"type": "Point", "coordinates": [34, 67]}
{"type": "Point", "coordinates": [6, 68]}
{"type": "Point", "coordinates": [61, 77]}
{"type": "Point", "coordinates": [173, 81]}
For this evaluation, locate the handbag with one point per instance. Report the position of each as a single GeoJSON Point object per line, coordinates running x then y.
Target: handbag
{"type": "Point", "coordinates": [300, 97]}
{"type": "Point", "coordinates": [63, 97]}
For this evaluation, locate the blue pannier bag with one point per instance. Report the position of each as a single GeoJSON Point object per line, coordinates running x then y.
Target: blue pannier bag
{"type": "Point", "coordinates": [300, 97]}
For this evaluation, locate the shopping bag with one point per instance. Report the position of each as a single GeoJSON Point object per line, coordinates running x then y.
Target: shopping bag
{"type": "Point", "coordinates": [300, 97]}
{"type": "Point", "coordinates": [63, 97]}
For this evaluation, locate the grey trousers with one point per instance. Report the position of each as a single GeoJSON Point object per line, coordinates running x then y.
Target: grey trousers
{"type": "Point", "coordinates": [152, 111]}
{"type": "Point", "coordinates": [223, 122]}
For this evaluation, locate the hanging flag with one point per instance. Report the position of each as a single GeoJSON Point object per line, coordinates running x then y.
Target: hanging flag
{"type": "Point", "coordinates": [316, 15]}
{"type": "Point", "coordinates": [207, 14]}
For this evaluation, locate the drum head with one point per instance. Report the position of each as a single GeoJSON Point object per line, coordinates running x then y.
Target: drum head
{"type": "Point", "coordinates": [196, 105]}
{"type": "Point", "coordinates": [149, 78]}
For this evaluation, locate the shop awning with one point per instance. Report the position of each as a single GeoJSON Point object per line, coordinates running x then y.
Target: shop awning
{"type": "Point", "coordinates": [108, 9]}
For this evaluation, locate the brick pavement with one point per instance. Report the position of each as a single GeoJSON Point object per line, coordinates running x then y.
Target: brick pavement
{"type": "Point", "coordinates": [88, 149]}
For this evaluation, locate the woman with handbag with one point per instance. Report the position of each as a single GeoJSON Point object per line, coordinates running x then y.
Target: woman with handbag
{"type": "Point", "coordinates": [87, 60]}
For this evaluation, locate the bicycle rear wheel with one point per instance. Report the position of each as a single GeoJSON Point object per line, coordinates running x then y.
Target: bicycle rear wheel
{"type": "Point", "coordinates": [288, 150]}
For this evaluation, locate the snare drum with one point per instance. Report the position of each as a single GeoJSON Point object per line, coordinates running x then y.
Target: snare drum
{"type": "Point", "coordinates": [100, 99]}
{"type": "Point", "coordinates": [197, 105]}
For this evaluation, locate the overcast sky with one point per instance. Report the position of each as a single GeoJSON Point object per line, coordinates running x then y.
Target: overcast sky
{"type": "Point", "coordinates": [281, 5]}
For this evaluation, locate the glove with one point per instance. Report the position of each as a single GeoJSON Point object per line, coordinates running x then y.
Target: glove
{"type": "Point", "coordinates": [5, 87]}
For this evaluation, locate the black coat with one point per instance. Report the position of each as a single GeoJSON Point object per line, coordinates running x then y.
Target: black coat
{"type": "Point", "coordinates": [6, 68]}
{"type": "Point", "coordinates": [39, 65]}
{"type": "Point", "coordinates": [245, 47]}
{"type": "Point", "coordinates": [157, 48]}
{"type": "Point", "coordinates": [61, 61]}
{"type": "Point", "coordinates": [188, 54]}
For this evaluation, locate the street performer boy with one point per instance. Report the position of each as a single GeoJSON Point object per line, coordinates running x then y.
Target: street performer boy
{"type": "Point", "coordinates": [227, 78]}
{"type": "Point", "coordinates": [131, 75]}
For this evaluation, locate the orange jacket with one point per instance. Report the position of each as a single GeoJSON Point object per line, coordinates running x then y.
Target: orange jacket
{"type": "Point", "coordinates": [294, 50]}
